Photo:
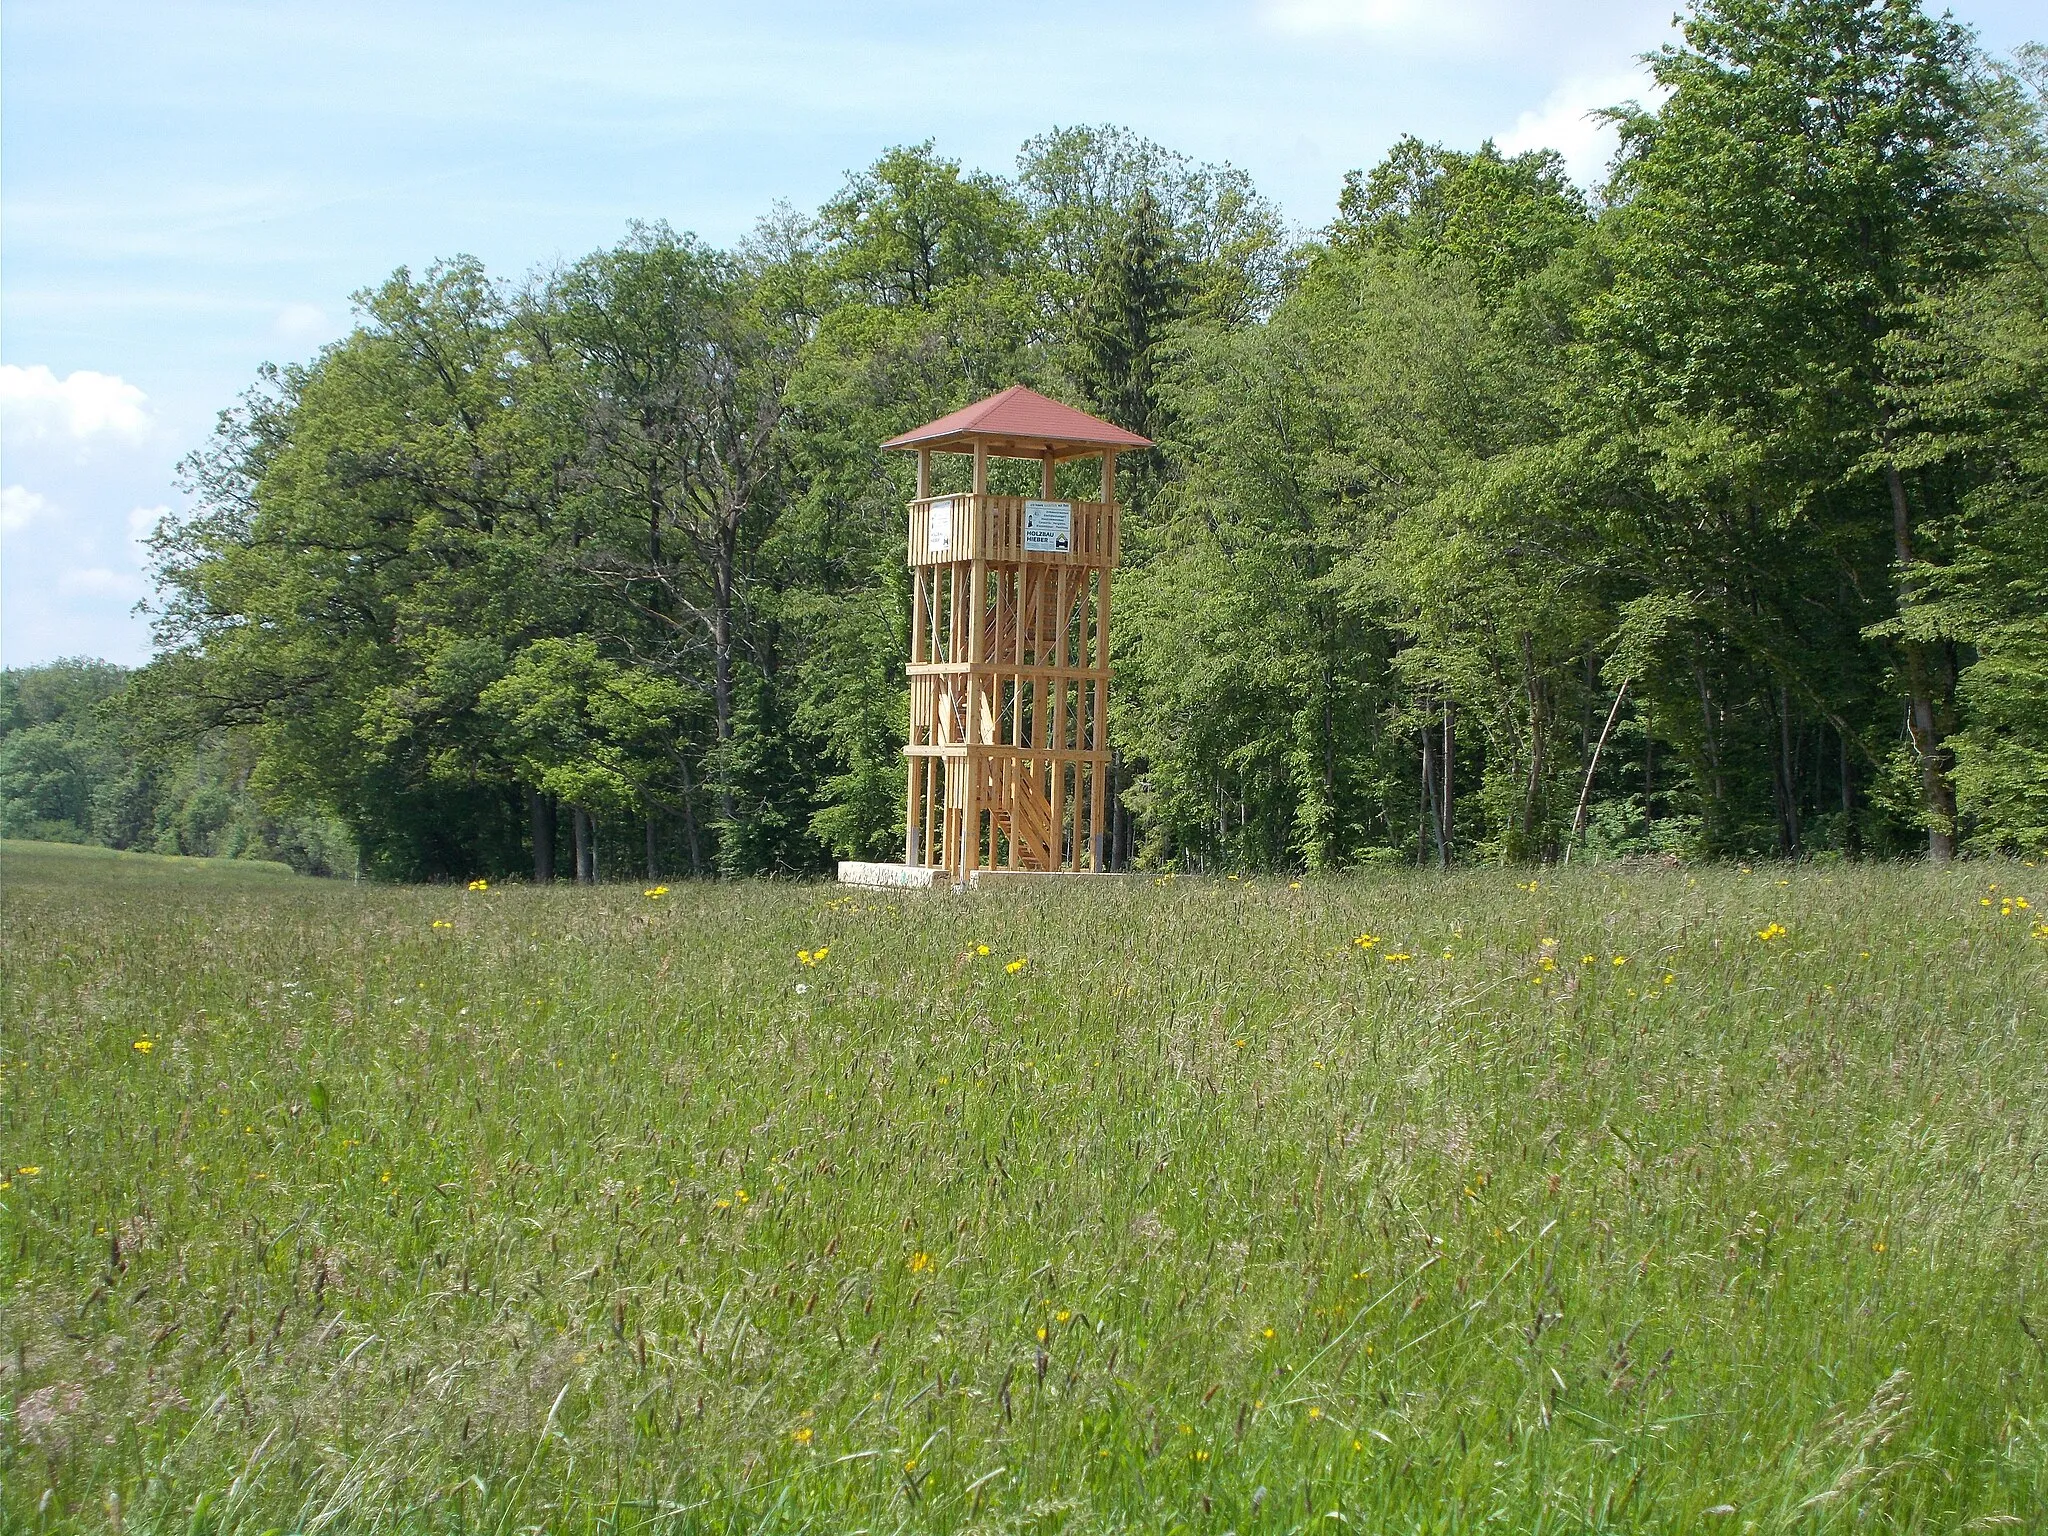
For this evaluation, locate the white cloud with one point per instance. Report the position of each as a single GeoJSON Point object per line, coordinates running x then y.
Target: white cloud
{"type": "Point", "coordinates": [1531, 39]}
{"type": "Point", "coordinates": [99, 581]}
{"type": "Point", "coordinates": [35, 403]}
{"type": "Point", "coordinates": [19, 506]}
{"type": "Point", "coordinates": [1565, 123]}
{"type": "Point", "coordinates": [302, 322]}
{"type": "Point", "coordinates": [1443, 20]}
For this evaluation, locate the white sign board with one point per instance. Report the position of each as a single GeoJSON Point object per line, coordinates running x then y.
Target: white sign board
{"type": "Point", "coordinates": [1049, 527]}
{"type": "Point", "coordinates": [940, 540]}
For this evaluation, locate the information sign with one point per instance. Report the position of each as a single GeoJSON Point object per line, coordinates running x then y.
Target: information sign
{"type": "Point", "coordinates": [1049, 527]}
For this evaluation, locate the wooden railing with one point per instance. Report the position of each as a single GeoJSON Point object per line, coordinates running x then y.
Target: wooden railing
{"type": "Point", "coordinates": [966, 527]}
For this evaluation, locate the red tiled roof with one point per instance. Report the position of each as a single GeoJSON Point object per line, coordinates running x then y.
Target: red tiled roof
{"type": "Point", "coordinates": [1019, 415]}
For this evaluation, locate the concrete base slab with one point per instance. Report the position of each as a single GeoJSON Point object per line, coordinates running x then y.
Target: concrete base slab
{"type": "Point", "coordinates": [894, 877]}
{"type": "Point", "coordinates": [911, 877]}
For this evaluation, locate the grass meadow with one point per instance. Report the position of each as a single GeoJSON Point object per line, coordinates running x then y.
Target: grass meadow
{"type": "Point", "coordinates": [1616, 1200]}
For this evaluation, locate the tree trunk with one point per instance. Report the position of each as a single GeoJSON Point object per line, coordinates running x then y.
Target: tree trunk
{"type": "Point", "coordinates": [1326, 851]}
{"type": "Point", "coordinates": [1937, 789]}
{"type": "Point", "coordinates": [1117, 814]}
{"type": "Point", "coordinates": [541, 811]}
{"type": "Point", "coordinates": [1720, 788]}
{"type": "Point", "coordinates": [1538, 724]}
{"type": "Point", "coordinates": [1848, 793]}
{"type": "Point", "coordinates": [690, 819]}
{"type": "Point", "coordinates": [652, 872]}
{"type": "Point", "coordinates": [1432, 807]}
{"type": "Point", "coordinates": [1450, 759]}
{"type": "Point", "coordinates": [721, 645]}
{"type": "Point", "coordinates": [1426, 811]}
{"type": "Point", "coordinates": [586, 845]}
{"type": "Point", "coordinates": [1785, 781]}
{"type": "Point", "coordinates": [1649, 764]}
{"type": "Point", "coordinates": [1593, 767]}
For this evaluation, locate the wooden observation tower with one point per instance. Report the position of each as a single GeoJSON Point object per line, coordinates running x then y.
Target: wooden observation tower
{"type": "Point", "coordinates": [1009, 648]}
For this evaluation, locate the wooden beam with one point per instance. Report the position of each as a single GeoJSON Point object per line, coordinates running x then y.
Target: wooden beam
{"type": "Point", "coordinates": [924, 473]}
{"type": "Point", "coordinates": [1109, 475]}
{"type": "Point", "coordinates": [911, 820]}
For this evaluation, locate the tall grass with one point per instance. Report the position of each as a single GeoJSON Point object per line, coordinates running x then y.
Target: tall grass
{"type": "Point", "coordinates": [1567, 1208]}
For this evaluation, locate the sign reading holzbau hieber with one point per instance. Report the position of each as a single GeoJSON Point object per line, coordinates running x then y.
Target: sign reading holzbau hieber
{"type": "Point", "coordinates": [1049, 527]}
{"type": "Point", "coordinates": [941, 539]}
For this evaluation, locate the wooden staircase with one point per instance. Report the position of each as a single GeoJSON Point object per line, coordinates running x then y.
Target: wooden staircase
{"type": "Point", "coordinates": [1022, 815]}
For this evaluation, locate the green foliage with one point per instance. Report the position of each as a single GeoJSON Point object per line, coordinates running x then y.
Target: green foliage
{"type": "Point", "coordinates": [1504, 219]}
{"type": "Point", "coordinates": [1974, 376]}
{"type": "Point", "coordinates": [71, 772]}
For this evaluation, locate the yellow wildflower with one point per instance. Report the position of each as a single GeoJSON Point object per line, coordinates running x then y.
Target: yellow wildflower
{"type": "Point", "coordinates": [145, 1046]}
{"type": "Point", "coordinates": [920, 1262]}
{"type": "Point", "coordinates": [801, 1436]}
{"type": "Point", "coordinates": [655, 892]}
{"type": "Point", "coordinates": [982, 950]}
{"type": "Point", "coordinates": [1015, 966]}
{"type": "Point", "coordinates": [479, 885]}
{"type": "Point", "coordinates": [1771, 931]}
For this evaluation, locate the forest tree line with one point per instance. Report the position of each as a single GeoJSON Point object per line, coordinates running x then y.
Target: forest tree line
{"type": "Point", "coordinates": [72, 772]}
{"type": "Point", "coordinates": [1704, 513]}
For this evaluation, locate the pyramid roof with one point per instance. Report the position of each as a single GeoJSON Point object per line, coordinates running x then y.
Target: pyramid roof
{"type": "Point", "coordinates": [1020, 423]}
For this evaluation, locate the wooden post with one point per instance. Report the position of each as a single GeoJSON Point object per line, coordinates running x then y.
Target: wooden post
{"type": "Point", "coordinates": [1045, 476]}
{"type": "Point", "coordinates": [1101, 711]}
{"type": "Point", "coordinates": [924, 473]}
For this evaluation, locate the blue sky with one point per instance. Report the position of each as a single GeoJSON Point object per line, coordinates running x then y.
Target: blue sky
{"type": "Point", "coordinates": [188, 190]}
